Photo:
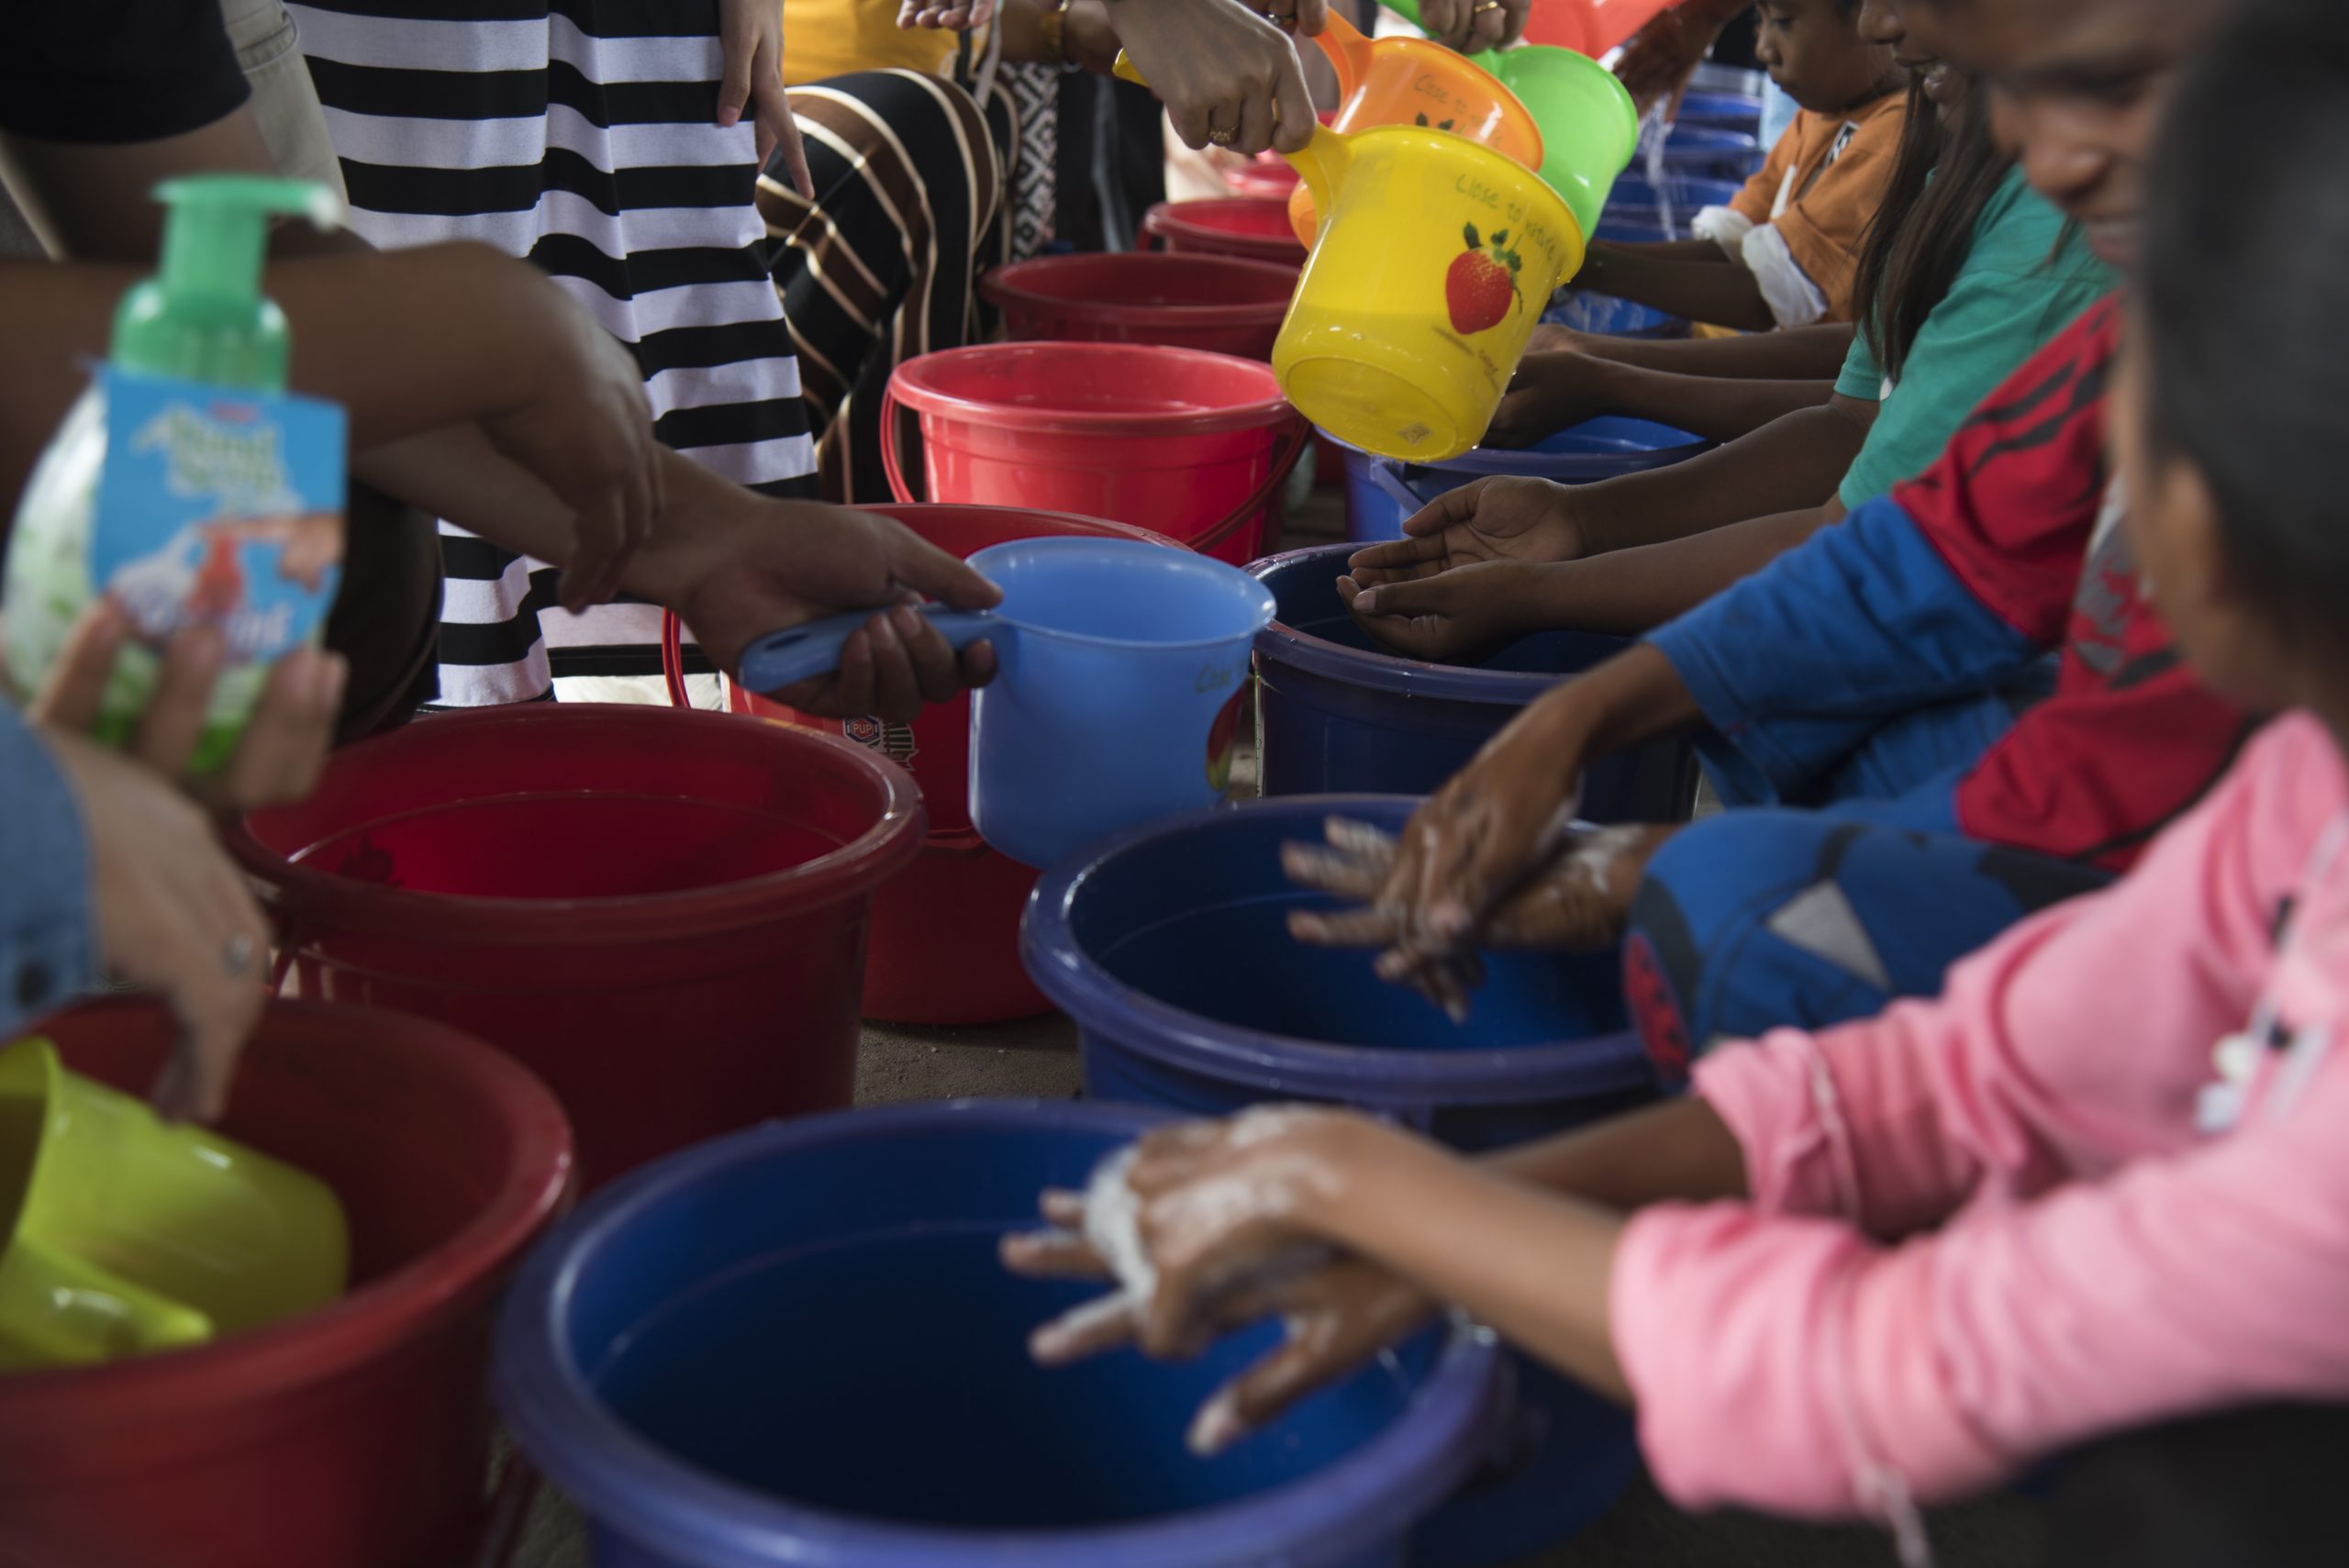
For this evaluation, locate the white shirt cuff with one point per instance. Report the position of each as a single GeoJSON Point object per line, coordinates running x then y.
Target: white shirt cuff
{"type": "Point", "coordinates": [1793, 299]}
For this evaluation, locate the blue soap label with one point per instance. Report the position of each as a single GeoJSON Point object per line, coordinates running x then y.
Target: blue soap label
{"type": "Point", "coordinates": [219, 507]}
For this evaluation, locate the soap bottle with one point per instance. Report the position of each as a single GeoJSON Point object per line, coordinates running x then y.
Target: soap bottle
{"type": "Point", "coordinates": [186, 483]}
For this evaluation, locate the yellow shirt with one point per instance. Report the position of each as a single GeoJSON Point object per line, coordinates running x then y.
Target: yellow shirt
{"type": "Point", "coordinates": [832, 37]}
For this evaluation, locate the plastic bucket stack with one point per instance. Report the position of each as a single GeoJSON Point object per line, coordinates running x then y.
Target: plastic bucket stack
{"type": "Point", "coordinates": [1193, 446]}
{"type": "Point", "coordinates": [797, 1346]}
{"type": "Point", "coordinates": [1255, 229]}
{"type": "Point", "coordinates": [1169, 946]}
{"type": "Point", "coordinates": [661, 913]}
{"type": "Point", "coordinates": [352, 1437]}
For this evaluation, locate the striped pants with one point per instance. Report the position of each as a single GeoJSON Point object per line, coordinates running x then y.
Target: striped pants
{"type": "Point", "coordinates": [911, 207]}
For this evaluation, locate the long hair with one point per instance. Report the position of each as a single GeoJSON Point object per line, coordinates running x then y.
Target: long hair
{"type": "Point", "coordinates": [1943, 176]}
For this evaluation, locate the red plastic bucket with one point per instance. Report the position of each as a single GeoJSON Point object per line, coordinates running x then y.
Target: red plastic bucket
{"type": "Point", "coordinates": [661, 913]}
{"type": "Point", "coordinates": [1269, 175]}
{"type": "Point", "coordinates": [1191, 445]}
{"type": "Point", "coordinates": [354, 1437]}
{"type": "Point", "coordinates": [1255, 228]}
{"type": "Point", "coordinates": [1218, 303]}
{"type": "Point", "coordinates": [945, 945]}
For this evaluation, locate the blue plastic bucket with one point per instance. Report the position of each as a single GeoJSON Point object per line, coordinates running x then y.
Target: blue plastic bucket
{"type": "Point", "coordinates": [1381, 490]}
{"type": "Point", "coordinates": [1613, 318]}
{"type": "Point", "coordinates": [1123, 665]}
{"type": "Point", "coordinates": [1712, 150]}
{"type": "Point", "coordinates": [1334, 715]}
{"type": "Point", "coordinates": [1735, 111]}
{"type": "Point", "coordinates": [1688, 193]}
{"type": "Point", "coordinates": [1168, 945]}
{"type": "Point", "coordinates": [796, 1346]}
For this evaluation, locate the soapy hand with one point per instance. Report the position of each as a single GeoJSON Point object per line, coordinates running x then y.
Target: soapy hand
{"type": "Point", "coordinates": [284, 745]}
{"type": "Point", "coordinates": [173, 916]}
{"type": "Point", "coordinates": [1473, 26]}
{"type": "Point", "coordinates": [1228, 74]}
{"type": "Point", "coordinates": [1501, 519]}
{"type": "Point", "coordinates": [736, 567]}
{"type": "Point", "coordinates": [1581, 900]}
{"type": "Point", "coordinates": [1209, 1212]}
{"type": "Point", "coordinates": [1463, 616]}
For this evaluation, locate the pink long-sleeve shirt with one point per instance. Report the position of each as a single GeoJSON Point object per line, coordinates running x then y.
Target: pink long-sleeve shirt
{"type": "Point", "coordinates": [1985, 1227]}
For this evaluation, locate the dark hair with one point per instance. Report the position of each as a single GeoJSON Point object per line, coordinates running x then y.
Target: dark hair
{"type": "Point", "coordinates": [2243, 300]}
{"type": "Point", "coordinates": [1943, 176]}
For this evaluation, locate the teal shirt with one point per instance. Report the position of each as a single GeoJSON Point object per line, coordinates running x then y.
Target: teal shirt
{"type": "Point", "coordinates": [2016, 289]}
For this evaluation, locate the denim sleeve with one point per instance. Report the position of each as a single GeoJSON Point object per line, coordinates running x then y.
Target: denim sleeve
{"type": "Point", "coordinates": [1797, 664]}
{"type": "Point", "coordinates": [48, 947]}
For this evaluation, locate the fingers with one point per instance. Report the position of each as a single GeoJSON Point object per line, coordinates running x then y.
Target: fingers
{"type": "Point", "coordinates": [979, 665]}
{"type": "Point", "coordinates": [1401, 554]}
{"type": "Point", "coordinates": [1063, 1208]}
{"type": "Point", "coordinates": [1292, 110]}
{"type": "Point", "coordinates": [211, 979]}
{"type": "Point", "coordinates": [174, 723]}
{"type": "Point", "coordinates": [284, 747]}
{"type": "Point", "coordinates": [936, 673]}
{"type": "Point", "coordinates": [1488, 25]}
{"type": "Point", "coordinates": [1442, 21]}
{"type": "Point", "coordinates": [1301, 1364]}
{"type": "Point", "coordinates": [1514, 15]}
{"type": "Point", "coordinates": [1447, 510]}
{"type": "Point", "coordinates": [847, 691]}
{"type": "Point", "coordinates": [1105, 1323]}
{"type": "Point", "coordinates": [740, 50]}
{"type": "Point", "coordinates": [1052, 1254]}
{"type": "Point", "coordinates": [930, 572]}
{"type": "Point", "coordinates": [1353, 928]}
{"type": "Point", "coordinates": [786, 139]}
{"type": "Point", "coordinates": [1256, 122]}
{"type": "Point", "coordinates": [1312, 18]}
{"type": "Point", "coordinates": [75, 687]}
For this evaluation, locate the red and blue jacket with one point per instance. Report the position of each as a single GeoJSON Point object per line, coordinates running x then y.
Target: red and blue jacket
{"type": "Point", "coordinates": [1962, 583]}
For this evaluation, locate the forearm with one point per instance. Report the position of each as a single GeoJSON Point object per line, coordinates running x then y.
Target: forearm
{"type": "Point", "coordinates": [1533, 1264]}
{"type": "Point", "coordinates": [1791, 353]}
{"type": "Point", "coordinates": [1680, 1151]}
{"type": "Point", "coordinates": [1716, 407]}
{"type": "Point", "coordinates": [1636, 696]}
{"type": "Point", "coordinates": [1718, 291]}
{"type": "Point", "coordinates": [1630, 593]}
{"type": "Point", "coordinates": [1793, 464]}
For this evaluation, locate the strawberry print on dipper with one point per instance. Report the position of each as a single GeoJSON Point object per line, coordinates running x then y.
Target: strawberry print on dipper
{"type": "Point", "coordinates": [1480, 290]}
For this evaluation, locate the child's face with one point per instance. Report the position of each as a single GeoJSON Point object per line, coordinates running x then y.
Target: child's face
{"type": "Point", "coordinates": [2076, 91]}
{"type": "Point", "coordinates": [2174, 529]}
{"type": "Point", "coordinates": [1813, 50]}
{"type": "Point", "coordinates": [1908, 29]}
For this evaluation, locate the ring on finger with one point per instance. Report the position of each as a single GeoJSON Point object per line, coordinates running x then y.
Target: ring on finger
{"type": "Point", "coordinates": [1219, 135]}
{"type": "Point", "coordinates": [1484, 5]}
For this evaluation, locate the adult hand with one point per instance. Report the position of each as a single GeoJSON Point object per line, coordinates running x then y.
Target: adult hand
{"type": "Point", "coordinates": [960, 16]}
{"type": "Point", "coordinates": [1229, 77]}
{"type": "Point", "coordinates": [1454, 618]}
{"type": "Point", "coordinates": [750, 32]}
{"type": "Point", "coordinates": [744, 567]}
{"type": "Point", "coordinates": [1470, 25]}
{"type": "Point", "coordinates": [575, 416]}
{"type": "Point", "coordinates": [1582, 901]}
{"type": "Point", "coordinates": [1502, 518]}
{"type": "Point", "coordinates": [1336, 1317]}
{"type": "Point", "coordinates": [1088, 37]}
{"type": "Point", "coordinates": [1549, 393]}
{"type": "Point", "coordinates": [173, 917]}
{"type": "Point", "coordinates": [284, 744]}
{"type": "Point", "coordinates": [1658, 60]}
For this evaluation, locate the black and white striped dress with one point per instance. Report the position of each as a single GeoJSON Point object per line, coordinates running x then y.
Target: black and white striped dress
{"type": "Point", "coordinates": [580, 134]}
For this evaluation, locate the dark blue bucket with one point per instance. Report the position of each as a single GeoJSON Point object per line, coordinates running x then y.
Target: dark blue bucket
{"type": "Point", "coordinates": [795, 1345]}
{"type": "Point", "coordinates": [1383, 491]}
{"type": "Point", "coordinates": [1169, 946]}
{"type": "Point", "coordinates": [1712, 150]}
{"type": "Point", "coordinates": [1337, 716]}
{"type": "Point", "coordinates": [1688, 193]}
{"type": "Point", "coordinates": [1612, 317]}
{"type": "Point", "coordinates": [1735, 111]}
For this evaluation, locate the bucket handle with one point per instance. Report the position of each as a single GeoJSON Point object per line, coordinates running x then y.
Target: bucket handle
{"type": "Point", "coordinates": [1300, 436]}
{"type": "Point", "coordinates": [1349, 52]}
{"type": "Point", "coordinates": [892, 462]}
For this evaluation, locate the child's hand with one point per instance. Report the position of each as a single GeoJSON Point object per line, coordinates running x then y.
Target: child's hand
{"type": "Point", "coordinates": [752, 34]}
{"type": "Point", "coordinates": [1470, 25]}
{"type": "Point", "coordinates": [1551, 391]}
{"type": "Point", "coordinates": [960, 16]}
{"type": "Point", "coordinates": [1463, 616]}
{"type": "Point", "coordinates": [1500, 518]}
{"type": "Point", "coordinates": [1336, 1318]}
{"type": "Point", "coordinates": [1582, 901]}
{"type": "Point", "coordinates": [173, 916]}
{"type": "Point", "coordinates": [286, 743]}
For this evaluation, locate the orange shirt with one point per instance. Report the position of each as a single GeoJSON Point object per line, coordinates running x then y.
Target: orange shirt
{"type": "Point", "coordinates": [1822, 186]}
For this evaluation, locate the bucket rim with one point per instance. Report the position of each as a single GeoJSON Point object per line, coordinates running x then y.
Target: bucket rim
{"type": "Point", "coordinates": [912, 385]}
{"type": "Point", "coordinates": [1008, 284]}
{"type": "Point", "coordinates": [626, 1482]}
{"type": "Point", "coordinates": [1191, 563]}
{"type": "Point", "coordinates": [295, 894]}
{"type": "Point", "coordinates": [1179, 220]}
{"type": "Point", "coordinates": [378, 1318]}
{"type": "Point", "coordinates": [1391, 672]}
{"type": "Point", "coordinates": [1531, 462]}
{"type": "Point", "coordinates": [1371, 1077]}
